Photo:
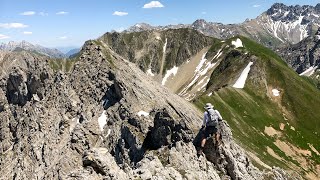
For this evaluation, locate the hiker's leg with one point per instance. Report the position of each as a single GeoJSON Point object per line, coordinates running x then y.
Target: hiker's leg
{"type": "Point", "coordinates": [216, 138]}
{"type": "Point", "coordinates": [203, 142]}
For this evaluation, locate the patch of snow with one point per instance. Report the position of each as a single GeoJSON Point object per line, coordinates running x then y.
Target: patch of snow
{"type": "Point", "coordinates": [170, 72]}
{"type": "Point", "coordinates": [149, 72]}
{"type": "Point", "coordinates": [102, 120]}
{"type": "Point", "coordinates": [158, 38]}
{"type": "Point", "coordinates": [275, 92]}
{"type": "Point", "coordinates": [200, 71]}
{"type": "Point", "coordinates": [218, 54]}
{"type": "Point", "coordinates": [275, 27]}
{"type": "Point", "coordinates": [205, 70]}
{"type": "Point", "coordinates": [243, 77]}
{"type": "Point", "coordinates": [108, 133]}
{"type": "Point", "coordinates": [286, 13]}
{"type": "Point", "coordinates": [237, 43]}
{"type": "Point", "coordinates": [199, 83]}
{"type": "Point", "coordinates": [315, 15]}
{"type": "Point", "coordinates": [143, 113]}
{"type": "Point", "coordinates": [138, 25]}
{"type": "Point", "coordinates": [210, 94]}
{"type": "Point", "coordinates": [292, 128]}
{"type": "Point", "coordinates": [204, 85]}
{"type": "Point", "coordinates": [165, 46]}
{"type": "Point", "coordinates": [76, 119]}
{"type": "Point", "coordinates": [203, 60]}
{"type": "Point", "coordinates": [318, 37]}
{"type": "Point", "coordinates": [309, 71]}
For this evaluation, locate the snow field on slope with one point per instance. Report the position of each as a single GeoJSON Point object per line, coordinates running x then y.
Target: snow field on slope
{"type": "Point", "coordinates": [149, 72]}
{"type": "Point", "coordinates": [237, 43]}
{"type": "Point", "coordinates": [275, 92]}
{"type": "Point", "coordinates": [243, 77]}
{"type": "Point", "coordinates": [143, 113]}
{"type": "Point", "coordinates": [102, 120]}
{"type": "Point", "coordinates": [201, 70]}
{"type": "Point", "coordinates": [170, 72]}
{"type": "Point", "coordinates": [309, 71]}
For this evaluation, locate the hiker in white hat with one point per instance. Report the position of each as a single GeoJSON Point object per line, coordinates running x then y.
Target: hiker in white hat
{"type": "Point", "coordinates": [210, 125]}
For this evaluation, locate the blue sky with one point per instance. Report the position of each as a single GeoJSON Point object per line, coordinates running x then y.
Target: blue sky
{"type": "Point", "coordinates": [66, 23]}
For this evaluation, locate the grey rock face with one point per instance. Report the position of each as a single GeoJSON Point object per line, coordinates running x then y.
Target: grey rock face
{"type": "Point", "coordinates": [304, 55]}
{"type": "Point", "coordinates": [157, 50]}
{"type": "Point", "coordinates": [88, 124]}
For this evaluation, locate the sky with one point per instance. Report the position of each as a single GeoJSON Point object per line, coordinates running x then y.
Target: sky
{"type": "Point", "coordinates": [69, 23]}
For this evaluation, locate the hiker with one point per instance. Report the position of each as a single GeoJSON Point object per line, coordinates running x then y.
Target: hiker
{"type": "Point", "coordinates": [210, 126]}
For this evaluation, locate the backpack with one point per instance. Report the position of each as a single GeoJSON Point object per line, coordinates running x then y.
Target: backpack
{"type": "Point", "coordinates": [213, 117]}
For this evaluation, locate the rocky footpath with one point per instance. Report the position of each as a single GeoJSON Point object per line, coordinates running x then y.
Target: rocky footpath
{"type": "Point", "coordinates": [105, 119]}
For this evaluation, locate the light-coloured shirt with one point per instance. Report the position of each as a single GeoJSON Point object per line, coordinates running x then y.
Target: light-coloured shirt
{"type": "Point", "coordinates": [206, 117]}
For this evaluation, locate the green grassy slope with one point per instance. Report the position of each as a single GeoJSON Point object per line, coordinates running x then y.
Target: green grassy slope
{"type": "Point", "coordinates": [250, 110]}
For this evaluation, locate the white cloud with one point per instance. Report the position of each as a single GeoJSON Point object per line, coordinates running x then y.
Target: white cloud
{"type": "Point", "coordinates": [27, 32]}
{"type": "Point", "coordinates": [203, 12]}
{"type": "Point", "coordinates": [28, 13]}
{"type": "Point", "coordinates": [119, 13]}
{"type": "Point", "coordinates": [256, 5]}
{"type": "Point", "coordinates": [43, 14]}
{"type": "Point", "coordinates": [4, 36]}
{"type": "Point", "coordinates": [62, 13]}
{"type": "Point", "coordinates": [12, 25]}
{"type": "Point", "coordinates": [63, 37]}
{"type": "Point", "coordinates": [153, 4]}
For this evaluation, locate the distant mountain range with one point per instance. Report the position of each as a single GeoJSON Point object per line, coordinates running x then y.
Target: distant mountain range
{"type": "Point", "coordinates": [278, 25]}
{"type": "Point", "coordinates": [12, 45]}
{"type": "Point", "coordinates": [72, 52]}
{"type": "Point", "coordinates": [24, 45]}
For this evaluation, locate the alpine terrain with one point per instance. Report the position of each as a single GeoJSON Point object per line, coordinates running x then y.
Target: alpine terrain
{"type": "Point", "coordinates": [304, 57]}
{"type": "Point", "coordinates": [130, 104]}
{"type": "Point", "coordinates": [279, 25]}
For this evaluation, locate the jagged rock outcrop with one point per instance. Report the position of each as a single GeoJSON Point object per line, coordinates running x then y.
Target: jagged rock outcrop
{"type": "Point", "coordinates": [105, 119]}
{"type": "Point", "coordinates": [304, 56]}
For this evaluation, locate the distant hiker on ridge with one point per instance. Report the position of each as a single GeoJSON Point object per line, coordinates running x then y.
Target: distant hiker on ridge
{"type": "Point", "coordinates": [210, 125]}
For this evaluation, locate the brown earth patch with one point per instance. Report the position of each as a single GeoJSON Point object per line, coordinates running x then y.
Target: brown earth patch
{"type": "Point", "coordinates": [282, 126]}
{"type": "Point", "coordinates": [273, 154]}
{"type": "Point", "coordinates": [295, 152]}
{"type": "Point", "coordinates": [270, 131]}
{"type": "Point", "coordinates": [314, 149]}
{"type": "Point", "coordinates": [257, 160]}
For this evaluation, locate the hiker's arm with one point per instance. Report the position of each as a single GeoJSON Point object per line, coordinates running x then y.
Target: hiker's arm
{"type": "Point", "coordinates": [220, 117]}
{"type": "Point", "coordinates": [204, 120]}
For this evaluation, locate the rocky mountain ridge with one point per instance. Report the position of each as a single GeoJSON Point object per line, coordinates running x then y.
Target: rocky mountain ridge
{"type": "Point", "coordinates": [17, 46]}
{"type": "Point", "coordinates": [303, 57]}
{"type": "Point", "coordinates": [210, 74]}
{"type": "Point", "coordinates": [280, 24]}
{"type": "Point", "coordinates": [86, 125]}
